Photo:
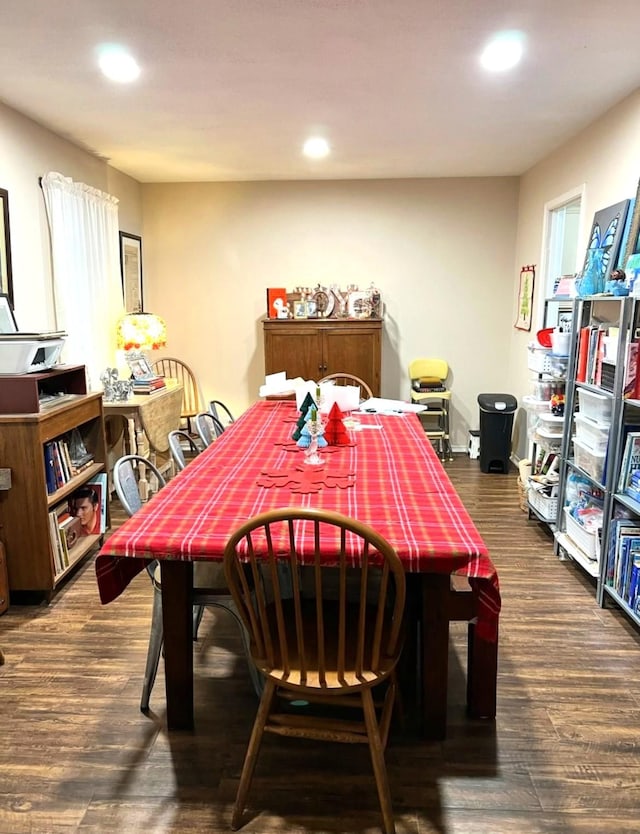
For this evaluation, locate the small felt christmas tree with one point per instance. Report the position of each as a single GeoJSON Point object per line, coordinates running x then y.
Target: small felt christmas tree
{"type": "Point", "coordinates": [307, 433]}
{"type": "Point", "coordinates": [307, 404]}
{"type": "Point", "coordinates": [335, 432]}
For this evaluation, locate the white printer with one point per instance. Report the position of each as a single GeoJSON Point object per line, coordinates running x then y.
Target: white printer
{"type": "Point", "coordinates": [24, 353]}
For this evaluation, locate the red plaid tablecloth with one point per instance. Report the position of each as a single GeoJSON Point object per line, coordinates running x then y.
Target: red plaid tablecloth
{"type": "Point", "coordinates": [400, 489]}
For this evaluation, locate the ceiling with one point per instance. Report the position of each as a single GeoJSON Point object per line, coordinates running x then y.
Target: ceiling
{"type": "Point", "coordinates": [230, 89]}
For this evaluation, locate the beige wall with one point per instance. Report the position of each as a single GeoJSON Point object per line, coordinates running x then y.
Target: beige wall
{"type": "Point", "coordinates": [27, 152]}
{"type": "Point", "coordinates": [604, 159]}
{"type": "Point", "coordinates": [441, 252]}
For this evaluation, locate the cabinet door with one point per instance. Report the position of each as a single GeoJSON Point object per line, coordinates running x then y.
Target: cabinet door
{"type": "Point", "coordinates": [355, 351]}
{"type": "Point", "coordinates": [295, 349]}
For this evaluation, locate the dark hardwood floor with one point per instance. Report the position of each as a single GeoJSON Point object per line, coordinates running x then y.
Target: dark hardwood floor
{"type": "Point", "coordinates": [76, 754]}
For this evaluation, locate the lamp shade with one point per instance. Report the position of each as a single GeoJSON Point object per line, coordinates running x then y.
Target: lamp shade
{"type": "Point", "coordinates": [141, 331]}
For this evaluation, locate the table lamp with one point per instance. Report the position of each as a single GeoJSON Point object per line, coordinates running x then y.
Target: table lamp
{"type": "Point", "coordinates": [141, 332]}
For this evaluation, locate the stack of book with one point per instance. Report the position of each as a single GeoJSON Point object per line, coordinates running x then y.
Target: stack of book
{"type": "Point", "coordinates": [60, 466]}
{"type": "Point", "coordinates": [147, 385]}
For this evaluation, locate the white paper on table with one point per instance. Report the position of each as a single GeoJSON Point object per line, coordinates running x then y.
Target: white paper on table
{"type": "Point", "coordinates": [276, 384]}
{"type": "Point", "coordinates": [346, 396]}
{"type": "Point", "coordinates": [382, 406]}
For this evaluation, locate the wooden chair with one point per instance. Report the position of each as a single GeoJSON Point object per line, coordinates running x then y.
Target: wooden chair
{"type": "Point", "coordinates": [176, 369]}
{"type": "Point", "coordinates": [178, 440]}
{"type": "Point", "coordinates": [221, 412]}
{"type": "Point", "coordinates": [208, 427]}
{"type": "Point", "coordinates": [350, 379]}
{"type": "Point", "coordinates": [330, 646]}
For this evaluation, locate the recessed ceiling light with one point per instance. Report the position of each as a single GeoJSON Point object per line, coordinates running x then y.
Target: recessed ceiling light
{"type": "Point", "coordinates": [316, 147]}
{"type": "Point", "coordinates": [118, 64]}
{"type": "Point", "coordinates": [503, 51]}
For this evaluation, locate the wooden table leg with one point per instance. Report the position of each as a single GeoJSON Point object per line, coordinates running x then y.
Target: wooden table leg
{"type": "Point", "coordinates": [482, 674]}
{"type": "Point", "coordinates": [435, 653]}
{"type": "Point", "coordinates": [177, 622]}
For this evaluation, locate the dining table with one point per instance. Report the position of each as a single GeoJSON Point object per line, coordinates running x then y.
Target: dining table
{"type": "Point", "coordinates": [380, 469]}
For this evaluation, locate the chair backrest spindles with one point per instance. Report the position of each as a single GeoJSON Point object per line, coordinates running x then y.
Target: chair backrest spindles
{"type": "Point", "coordinates": [356, 624]}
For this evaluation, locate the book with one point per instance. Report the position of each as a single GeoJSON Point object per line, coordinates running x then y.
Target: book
{"type": "Point", "coordinates": [583, 353]}
{"type": "Point", "coordinates": [631, 370]}
{"type": "Point", "coordinates": [630, 459]}
{"type": "Point", "coordinates": [49, 468]}
{"type": "Point", "coordinates": [88, 504]}
{"type": "Point", "coordinates": [70, 529]}
{"type": "Point", "coordinates": [99, 483]}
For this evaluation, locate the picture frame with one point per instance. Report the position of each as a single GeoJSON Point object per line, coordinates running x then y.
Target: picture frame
{"type": "Point", "coordinates": [140, 367]}
{"type": "Point", "coordinates": [300, 309]}
{"type": "Point", "coordinates": [525, 297]}
{"type": "Point", "coordinates": [604, 246]}
{"type": "Point", "coordinates": [131, 272]}
{"type": "Point", "coordinates": [6, 273]}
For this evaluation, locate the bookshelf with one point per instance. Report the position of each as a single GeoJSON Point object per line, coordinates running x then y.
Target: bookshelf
{"type": "Point", "coordinates": [25, 508]}
{"type": "Point", "coordinates": [594, 515]}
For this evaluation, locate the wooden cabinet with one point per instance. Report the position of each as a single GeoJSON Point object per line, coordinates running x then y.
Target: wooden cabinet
{"type": "Point", "coordinates": [25, 506]}
{"type": "Point", "coordinates": [314, 348]}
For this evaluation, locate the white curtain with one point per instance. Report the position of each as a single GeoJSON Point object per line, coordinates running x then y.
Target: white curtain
{"type": "Point", "coordinates": [87, 287]}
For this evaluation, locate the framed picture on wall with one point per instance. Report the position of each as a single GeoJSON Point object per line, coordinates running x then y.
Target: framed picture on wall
{"type": "Point", "coordinates": [525, 297]}
{"type": "Point", "coordinates": [131, 271]}
{"type": "Point", "coordinates": [6, 279]}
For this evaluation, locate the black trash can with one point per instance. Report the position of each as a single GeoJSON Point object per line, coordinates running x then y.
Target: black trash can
{"type": "Point", "coordinates": [496, 424]}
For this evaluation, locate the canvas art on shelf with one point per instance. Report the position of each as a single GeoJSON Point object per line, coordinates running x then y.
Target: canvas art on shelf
{"type": "Point", "coordinates": [603, 249]}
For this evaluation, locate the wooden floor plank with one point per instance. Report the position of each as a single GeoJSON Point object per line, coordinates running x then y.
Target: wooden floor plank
{"type": "Point", "coordinates": [78, 757]}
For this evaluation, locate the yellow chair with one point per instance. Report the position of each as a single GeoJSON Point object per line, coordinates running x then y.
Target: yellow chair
{"type": "Point", "coordinates": [424, 373]}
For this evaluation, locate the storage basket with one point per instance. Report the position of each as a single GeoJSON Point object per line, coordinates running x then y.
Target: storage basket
{"type": "Point", "coordinates": [585, 540]}
{"type": "Point", "coordinates": [522, 496]}
{"type": "Point", "coordinates": [544, 505]}
{"type": "Point", "coordinates": [595, 406]}
{"type": "Point", "coordinates": [539, 360]}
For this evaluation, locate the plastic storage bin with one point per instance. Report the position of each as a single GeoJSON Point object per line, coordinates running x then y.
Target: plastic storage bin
{"type": "Point", "coordinates": [585, 540]}
{"type": "Point", "coordinates": [595, 406]}
{"type": "Point", "coordinates": [589, 460]}
{"type": "Point", "coordinates": [592, 434]}
{"type": "Point", "coordinates": [550, 425]}
{"type": "Point", "coordinates": [534, 409]}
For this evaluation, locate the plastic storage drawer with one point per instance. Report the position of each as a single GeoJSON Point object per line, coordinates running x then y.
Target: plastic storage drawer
{"type": "Point", "coordinates": [589, 460]}
{"type": "Point", "coordinates": [591, 434]}
{"type": "Point", "coordinates": [595, 406]}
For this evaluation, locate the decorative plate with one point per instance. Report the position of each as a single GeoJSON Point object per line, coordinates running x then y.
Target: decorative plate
{"type": "Point", "coordinates": [325, 301]}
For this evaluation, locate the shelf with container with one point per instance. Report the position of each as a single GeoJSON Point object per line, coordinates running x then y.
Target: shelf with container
{"type": "Point", "coordinates": [545, 419]}
{"type": "Point", "coordinates": [589, 460]}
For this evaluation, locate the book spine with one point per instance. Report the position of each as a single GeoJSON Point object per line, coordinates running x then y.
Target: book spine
{"type": "Point", "coordinates": [583, 353]}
